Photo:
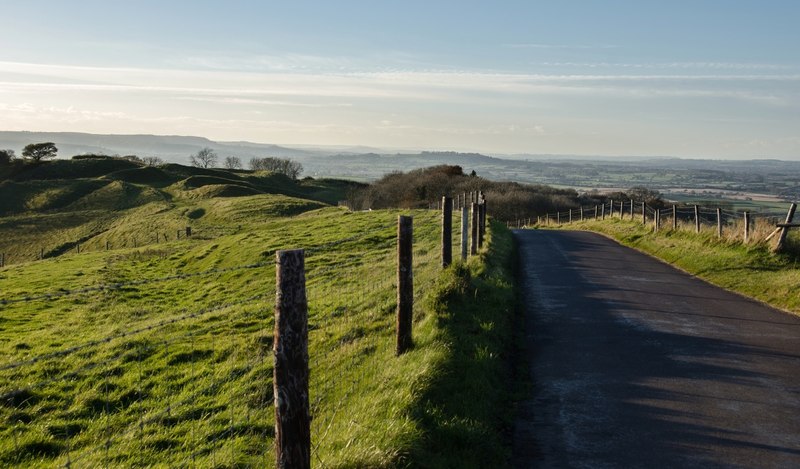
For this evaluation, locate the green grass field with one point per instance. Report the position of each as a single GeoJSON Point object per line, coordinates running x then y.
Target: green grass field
{"type": "Point", "coordinates": [159, 355]}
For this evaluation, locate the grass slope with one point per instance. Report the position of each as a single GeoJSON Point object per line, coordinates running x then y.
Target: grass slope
{"type": "Point", "coordinates": [752, 269]}
{"type": "Point", "coordinates": [94, 204]}
{"type": "Point", "coordinates": [176, 371]}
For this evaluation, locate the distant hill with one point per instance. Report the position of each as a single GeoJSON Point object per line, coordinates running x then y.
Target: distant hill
{"type": "Point", "coordinates": [171, 148]}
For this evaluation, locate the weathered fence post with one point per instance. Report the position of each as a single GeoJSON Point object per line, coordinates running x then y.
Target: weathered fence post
{"type": "Point", "coordinates": [595, 212]}
{"type": "Point", "coordinates": [674, 217]}
{"type": "Point", "coordinates": [558, 217]}
{"type": "Point", "coordinates": [41, 254]}
{"type": "Point", "coordinates": [405, 283]}
{"type": "Point", "coordinates": [719, 222]}
{"type": "Point", "coordinates": [644, 213]}
{"type": "Point", "coordinates": [746, 227]}
{"type": "Point", "coordinates": [447, 231]}
{"type": "Point", "coordinates": [475, 220]}
{"type": "Point", "coordinates": [657, 220]}
{"type": "Point", "coordinates": [611, 208]}
{"type": "Point", "coordinates": [785, 229]}
{"type": "Point", "coordinates": [621, 210]}
{"type": "Point", "coordinates": [481, 223]}
{"type": "Point", "coordinates": [581, 212]}
{"type": "Point", "coordinates": [290, 371]}
{"type": "Point", "coordinates": [570, 215]}
{"type": "Point", "coordinates": [2, 259]}
{"type": "Point", "coordinates": [464, 231]}
{"type": "Point", "coordinates": [188, 231]}
{"type": "Point", "coordinates": [696, 219]}
{"type": "Point", "coordinates": [603, 211]}
{"type": "Point", "coordinates": [632, 210]}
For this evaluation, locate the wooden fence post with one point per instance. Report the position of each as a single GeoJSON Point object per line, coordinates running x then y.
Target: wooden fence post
{"type": "Point", "coordinates": [475, 219]}
{"type": "Point", "coordinates": [657, 220]}
{"type": "Point", "coordinates": [41, 254]}
{"type": "Point", "coordinates": [188, 231]}
{"type": "Point", "coordinates": [447, 231]}
{"type": "Point", "coordinates": [595, 212]}
{"type": "Point", "coordinates": [290, 371]}
{"type": "Point", "coordinates": [696, 219]}
{"type": "Point", "coordinates": [405, 283]}
{"type": "Point", "coordinates": [746, 227]}
{"type": "Point", "coordinates": [481, 223]}
{"type": "Point", "coordinates": [464, 231]}
{"type": "Point", "coordinates": [2, 259]}
{"type": "Point", "coordinates": [719, 222]}
{"type": "Point", "coordinates": [611, 208]}
{"type": "Point", "coordinates": [603, 211]}
{"type": "Point", "coordinates": [570, 215]}
{"type": "Point", "coordinates": [674, 217]}
{"type": "Point", "coordinates": [785, 229]}
{"type": "Point", "coordinates": [644, 213]}
{"type": "Point", "coordinates": [581, 212]}
{"type": "Point", "coordinates": [631, 209]}
{"type": "Point", "coordinates": [107, 246]}
{"type": "Point", "coordinates": [558, 217]}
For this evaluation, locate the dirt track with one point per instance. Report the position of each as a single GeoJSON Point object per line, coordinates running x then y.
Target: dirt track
{"type": "Point", "coordinates": [636, 364]}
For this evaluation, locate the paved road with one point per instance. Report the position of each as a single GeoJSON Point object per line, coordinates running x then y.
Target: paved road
{"type": "Point", "coordinates": [636, 364]}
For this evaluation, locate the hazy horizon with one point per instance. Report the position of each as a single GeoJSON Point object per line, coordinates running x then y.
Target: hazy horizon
{"type": "Point", "coordinates": [623, 78]}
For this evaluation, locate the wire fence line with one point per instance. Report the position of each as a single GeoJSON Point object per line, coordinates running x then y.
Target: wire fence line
{"type": "Point", "coordinates": [734, 225]}
{"type": "Point", "coordinates": [194, 387]}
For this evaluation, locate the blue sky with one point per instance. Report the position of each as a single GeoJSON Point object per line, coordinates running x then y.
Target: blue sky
{"type": "Point", "coordinates": [717, 79]}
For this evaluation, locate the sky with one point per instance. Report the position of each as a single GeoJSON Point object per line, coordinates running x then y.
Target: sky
{"type": "Point", "coordinates": [699, 78]}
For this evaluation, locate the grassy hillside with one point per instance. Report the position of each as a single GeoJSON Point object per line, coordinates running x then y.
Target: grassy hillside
{"type": "Point", "coordinates": [94, 204]}
{"type": "Point", "coordinates": [751, 269]}
{"type": "Point", "coordinates": [159, 353]}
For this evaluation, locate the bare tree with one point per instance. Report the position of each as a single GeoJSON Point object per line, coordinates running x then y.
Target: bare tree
{"type": "Point", "coordinates": [232, 162]}
{"type": "Point", "coordinates": [152, 161]}
{"type": "Point", "coordinates": [204, 158]}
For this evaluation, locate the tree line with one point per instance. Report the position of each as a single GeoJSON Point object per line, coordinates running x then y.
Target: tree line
{"type": "Point", "coordinates": [37, 153]}
{"type": "Point", "coordinates": [420, 188]}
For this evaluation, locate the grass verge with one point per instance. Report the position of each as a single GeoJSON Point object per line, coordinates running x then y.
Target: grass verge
{"type": "Point", "coordinates": [750, 269]}
{"type": "Point", "coordinates": [464, 411]}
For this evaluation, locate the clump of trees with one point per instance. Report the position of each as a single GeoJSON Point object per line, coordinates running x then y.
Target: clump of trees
{"type": "Point", "coordinates": [420, 188]}
{"type": "Point", "coordinates": [286, 166]}
{"type": "Point", "coordinates": [232, 162]}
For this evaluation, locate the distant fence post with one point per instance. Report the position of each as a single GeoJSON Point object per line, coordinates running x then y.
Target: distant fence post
{"type": "Point", "coordinates": [464, 231]}
{"type": "Point", "coordinates": [657, 220]}
{"type": "Point", "coordinates": [558, 217]}
{"type": "Point", "coordinates": [41, 254]}
{"type": "Point", "coordinates": [644, 213]}
{"type": "Point", "coordinates": [475, 219]}
{"type": "Point", "coordinates": [188, 231]}
{"type": "Point", "coordinates": [785, 229]}
{"type": "Point", "coordinates": [2, 259]}
{"type": "Point", "coordinates": [570, 215]}
{"type": "Point", "coordinates": [581, 212]}
{"type": "Point", "coordinates": [611, 208]}
{"type": "Point", "coordinates": [621, 210]}
{"type": "Point", "coordinates": [719, 222]}
{"type": "Point", "coordinates": [632, 210]}
{"type": "Point", "coordinates": [674, 217]}
{"type": "Point", "coordinates": [595, 212]}
{"type": "Point", "coordinates": [603, 211]}
{"type": "Point", "coordinates": [481, 223]}
{"type": "Point", "coordinates": [405, 283]}
{"type": "Point", "coordinates": [447, 231]}
{"type": "Point", "coordinates": [696, 219]}
{"type": "Point", "coordinates": [746, 227]}
{"type": "Point", "coordinates": [290, 371]}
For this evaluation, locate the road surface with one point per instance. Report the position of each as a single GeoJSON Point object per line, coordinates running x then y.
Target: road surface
{"type": "Point", "coordinates": [637, 364]}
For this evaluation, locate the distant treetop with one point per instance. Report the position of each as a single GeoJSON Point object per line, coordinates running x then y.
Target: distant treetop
{"type": "Point", "coordinates": [37, 152]}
